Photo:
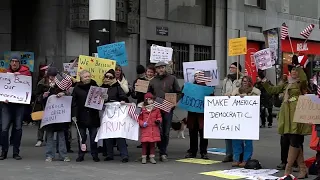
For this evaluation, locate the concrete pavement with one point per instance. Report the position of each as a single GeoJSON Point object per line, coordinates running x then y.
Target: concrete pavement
{"type": "Point", "coordinates": [34, 167]}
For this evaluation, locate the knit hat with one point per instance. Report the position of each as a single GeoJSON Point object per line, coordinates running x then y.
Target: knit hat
{"type": "Point", "coordinates": [15, 56]}
{"type": "Point", "coordinates": [148, 96]}
{"type": "Point", "coordinates": [140, 69]}
{"type": "Point", "coordinates": [111, 71]}
{"type": "Point", "coordinates": [237, 65]}
{"type": "Point", "coordinates": [52, 71]}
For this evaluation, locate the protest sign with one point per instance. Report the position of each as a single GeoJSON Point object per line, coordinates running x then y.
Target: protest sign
{"type": "Point", "coordinates": [307, 109]}
{"type": "Point", "coordinates": [193, 97]}
{"type": "Point", "coordinates": [171, 97]}
{"type": "Point", "coordinates": [189, 68]}
{"type": "Point", "coordinates": [231, 117]}
{"type": "Point", "coordinates": [263, 59]}
{"type": "Point", "coordinates": [142, 86]}
{"type": "Point", "coordinates": [27, 58]}
{"type": "Point", "coordinates": [237, 46]}
{"type": "Point", "coordinates": [116, 123]}
{"type": "Point", "coordinates": [96, 66]}
{"type": "Point", "coordinates": [115, 51]}
{"type": "Point", "coordinates": [70, 69]}
{"type": "Point", "coordinates": [95, 97]}
{"type": "Point", "coordinates": [15, 88]}
{"type": "Point", "coordinates": [160, 54]}
{"type": "Point", "coordinates": [3, 68]}
{"type": "Point", "coordinates": [57, 110]}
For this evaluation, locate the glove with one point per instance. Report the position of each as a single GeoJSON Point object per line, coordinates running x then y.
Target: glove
{"type": "Point", "coordinates": [145, 124]}
{"type": "Point", "coordinates": [74, 119]}
{"type": "Point", "coordinates": [157, 122]}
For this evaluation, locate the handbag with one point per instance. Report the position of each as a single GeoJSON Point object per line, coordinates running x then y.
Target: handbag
{"type": "Point", "coordinates": [38, 115]}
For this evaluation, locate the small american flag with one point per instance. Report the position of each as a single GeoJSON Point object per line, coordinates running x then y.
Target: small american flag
{"type": "Point", "coordinates": [318, 90]}
{"type": "Point", "coordinates": [204, 77]}
{"type": "Point", "coordinates": [63, 81]}
{"type": "Point", "coordinates": [163, 104]}
{"type": "Point", "coordinates": [284, 31]}
{"type": "Point", "coordinates": [307, 31]}
{"type": "Point", "coordinates": [134, 112]}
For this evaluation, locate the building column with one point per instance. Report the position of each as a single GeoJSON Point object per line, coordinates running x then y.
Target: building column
{"type": "Point", "coordinates": [102, 23]}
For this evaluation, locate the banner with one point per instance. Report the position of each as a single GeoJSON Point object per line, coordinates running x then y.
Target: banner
{"type": "Point", "coordinates": [70, 69]}
{"type": "Point", "coordinates": [95, 97]}
{"type": "Point", "coordinates": [116, 123]}
{"type": "Point", "coordinates": [237, 46]}
{"type": "Point", "coordinates": [307, 109]}
{"type": "Point", "coordinates": [160, 54]}
{"type": "Point", "coordinates": [263, 59]}
{"type": "Point", "coordinates": [115, 51]}
{"type": "Point", "coordinates": [58, 110]}
{"type": "Point", "coordinates": [189, 68]}
{"type": "Point", "coordinates": [27, 58]}
{"type": "Point", "coordinates": [15, 88]}
{"type": "Point", "coordinates": [96, 66]}
{"type": "Point", "coordinates": [193, 97]}
{"type": "Point", "coordinates": [232, 117]}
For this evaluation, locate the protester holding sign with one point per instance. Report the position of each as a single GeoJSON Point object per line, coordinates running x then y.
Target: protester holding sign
{"type": "Point", "coordinates": [296, 86]}
{"type": "Point", "coordinates": [121, 79]}
{"type": "Point", "coordinates": [243, 146]}
{"type": "Point", "coordinates": [86, 118]}
{"type": "Point", "coordinates": [13, 113]}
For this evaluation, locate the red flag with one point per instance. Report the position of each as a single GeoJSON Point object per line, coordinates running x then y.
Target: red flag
{"type": "Point", "coordinates": [134, 112]}
{"type": "Point", "coordinates": [163, 104]}
{"type": "Point", "coordinates": [204, 77]}
{"type": "Point", "coordinates": [284, 31]}
{"type": "Point", "coordinates": [307, 31]}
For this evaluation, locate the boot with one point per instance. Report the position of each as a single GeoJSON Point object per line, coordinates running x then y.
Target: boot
{"type": "Point", "coordinates": [303, 171]}
{"type": "Point", "coordinates": [144, 159]}
{"type": "Point", "coordinates": [3, 155]}
{"type": "Point", "coordinates": [292, 156]}
{"type": "Point", "coordinates": [152, 160]}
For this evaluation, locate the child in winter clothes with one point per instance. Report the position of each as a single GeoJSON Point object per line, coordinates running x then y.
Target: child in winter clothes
{"type": "Point", "coordinates": [149, 121]}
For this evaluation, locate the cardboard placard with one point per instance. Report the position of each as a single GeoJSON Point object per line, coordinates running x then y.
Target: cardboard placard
{"type": "Point", "coordinates": [307, 109]}
{"type": "Point", "coordinates": [171, 97]}
{"type": "Point", "coordinates": [142, 86]}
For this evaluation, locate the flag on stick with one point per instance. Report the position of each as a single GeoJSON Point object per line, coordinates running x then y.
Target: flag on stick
{"type": "Point", "coordinates": [307, 31]}
{"type": "Point", "coordinates": [63, 81]}
{"type": "Point", "coordinates": [284, 31]}
{"type": "Point", "coordinates": [134, 112]}
{"type": "Point", "coordinates": [204, 77]}
{"type": "Point", "coordinates": [163, 104]}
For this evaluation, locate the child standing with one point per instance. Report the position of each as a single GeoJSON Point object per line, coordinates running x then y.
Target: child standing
{"type": "Point", "coordinates": [149, 121]}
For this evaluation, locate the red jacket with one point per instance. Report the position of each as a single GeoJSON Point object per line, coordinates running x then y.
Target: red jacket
{"type": "Point", "coordinates": [23, 70]}
{"type": "Point", "coordinates": [151, 133]}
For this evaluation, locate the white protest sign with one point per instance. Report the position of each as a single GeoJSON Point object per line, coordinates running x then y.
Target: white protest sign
{"type": "Point", "coordinates": [189, 69]}
{"type": "Point", "coordinates": [231, 118]}
{"type": "Point", "coordinates": [116, 123]}
{"type": "Point", "coordinates": [160, 54]}
{"type": "Point", "coordinates": [15, 88]}
{"type": "Point", "coordinates": [68, 67]}
{"type": "Point", "coordinates": [95, 97]}
{"type": "Point", "coordinates": [263, 59]}
{"type": "Point", "coordinates": [58, 110]}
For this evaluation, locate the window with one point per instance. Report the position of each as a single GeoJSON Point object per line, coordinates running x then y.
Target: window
{"type": "Point", "coordinates": [202, 53]}
{"type": "Point", "coordinates": [257, 3]}
{"type": "Point", "coordinates": [180, 55]}
{"type": "Point", "coordinates": [149, 44]}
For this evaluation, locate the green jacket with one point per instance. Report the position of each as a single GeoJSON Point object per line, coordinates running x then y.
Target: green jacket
{"type": "Point", "coordinates": [287, 109]}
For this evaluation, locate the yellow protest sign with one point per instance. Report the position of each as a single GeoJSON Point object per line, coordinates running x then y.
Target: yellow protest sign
{"type": "Point", "coordinates": [237, 46]}
{"type": "Point", "coordinates": [96, 66]}
{"type": "Point", "coordinates": [198, 161]}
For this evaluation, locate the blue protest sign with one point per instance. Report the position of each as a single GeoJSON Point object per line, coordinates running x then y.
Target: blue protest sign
{"type": "Point", "coordinates": [116, 51]}
{"type": "Point", "coordinates": [27, 59]}
{"type": "Point", "coordinates": [193, 98]}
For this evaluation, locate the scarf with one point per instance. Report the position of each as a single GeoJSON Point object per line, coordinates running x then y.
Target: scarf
{"type": "Point", "coordinates": [149, 79]}
{"type": "Point", "coordinates": [110, 82]}
{"type": "Point", "coordinates": [149, 107]}
{"type": "Point", "coordinates": [245, 89]}
{"type": "Point", "coordinates": [232, 77]}
{"type": "Point", "coordinates": [291, 81]}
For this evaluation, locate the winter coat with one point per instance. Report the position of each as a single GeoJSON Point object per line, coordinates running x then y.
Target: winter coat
{"type": "Point", "coordinates": [266, 100]}
{"type": "Point", "coordinates": [287, 109]}
{"type": "Point", "coordinates": [124, 85]}
{"type": "Point", "coordinates": [23, 70]}
{"type": "Point", "coordinates": [151, 133]}
{"type": "Point", "coordinates": [254, 92]}
{"type": "Point", "coordinates": [115, 93]}
{"type": "Point", "coordinates": [228, 86]}
{"type": "Point", "coordinates": [86, 117]}
{"type": "Point", "coordinates": [160, 85]}
{"type": "Point", "coordinates": [138, 95]}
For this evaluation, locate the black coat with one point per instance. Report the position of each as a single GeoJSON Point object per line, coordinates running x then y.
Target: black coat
{"type": "Point", "coordinates": [266, 100]}
{"type": "Point", "coordinates": [115, 93]}
{"type": "Point", "coordinates": [138, 95]}
{"type": "Point", "coordinates": [86, 117]}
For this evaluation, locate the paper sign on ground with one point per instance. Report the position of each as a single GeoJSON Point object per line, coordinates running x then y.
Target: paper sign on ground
{"type": "Point", "coordinates": [220, 174]}
{"type": "Point", "coordinates": [263, 59]}
{"type": "Point", "coordinates": [243, 173]}
{"type": "Point", "coordinates": [160, 54]}
{"type": "Point", "coordinates": [237, 46]}
{"type": "Point", "coordinates": [231, 118]}
{"type": "Point", "coordinates": [307, 110]}
{"type": "Point", "coordinates": [95, 97]}
{"type": "Point", "coordinates": [116, 123]}
{"type": "Point", "coordinates": [27, 58]}
{"type": "Point", "coordinates": [68, 67]}
{"type": "Point", "coordinates": [142, 86]}
{"type": "Point", "coordinates": [15, 89]}
{"type": "Point", "coordinates": [198, 161]}
{"type": "Point", "coordinates": [189, 69]}
{"type": "Point", "coordinates": [171, 97]}
{"type": "Point", "coordinates": [58, 110]}
{"type": "Point", "coordinates": [96, 66]}
{"type": "Point", "coordinates": [115, 51]}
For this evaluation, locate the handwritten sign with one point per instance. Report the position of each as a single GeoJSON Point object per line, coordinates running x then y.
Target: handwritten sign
{"type": "Point", "coordinates": [193, 97]}
{"type": "Point", "coordinates": [3, 68]}
{"type": "Point", "coordinates": [237, 46]}
{"type": "Point", "coordinates": [57, 110]}
{"type": "Point", "coordinates": [15, 89]}
{"type": "Point", "coordinates": [263, 59]}
{"type": "Point", "coordinates": [116, 51]}
{"type": "Point", "coordinates": [231, 118]}
{"type": "Point", "coordinates": [160, 54]}
{"type": "Point", "coordinates": [96, 66]}
{"type": "Point", "coordinates": [189, 69]}
{"type": "Point", "coordinates": [171, 97]}
{"type": "Point", "coordinates": [70, 69]}
{"type": "Point", "coordinates": [95, 97]}
{"type": "Point", "coordinates": [142, 86]}
{"type": "Point", "coordinates": [27, 58]}
{"type": "Point", "coordinates": [116, 123]}
{"type": "Point", "coordinates": [307, 109]}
